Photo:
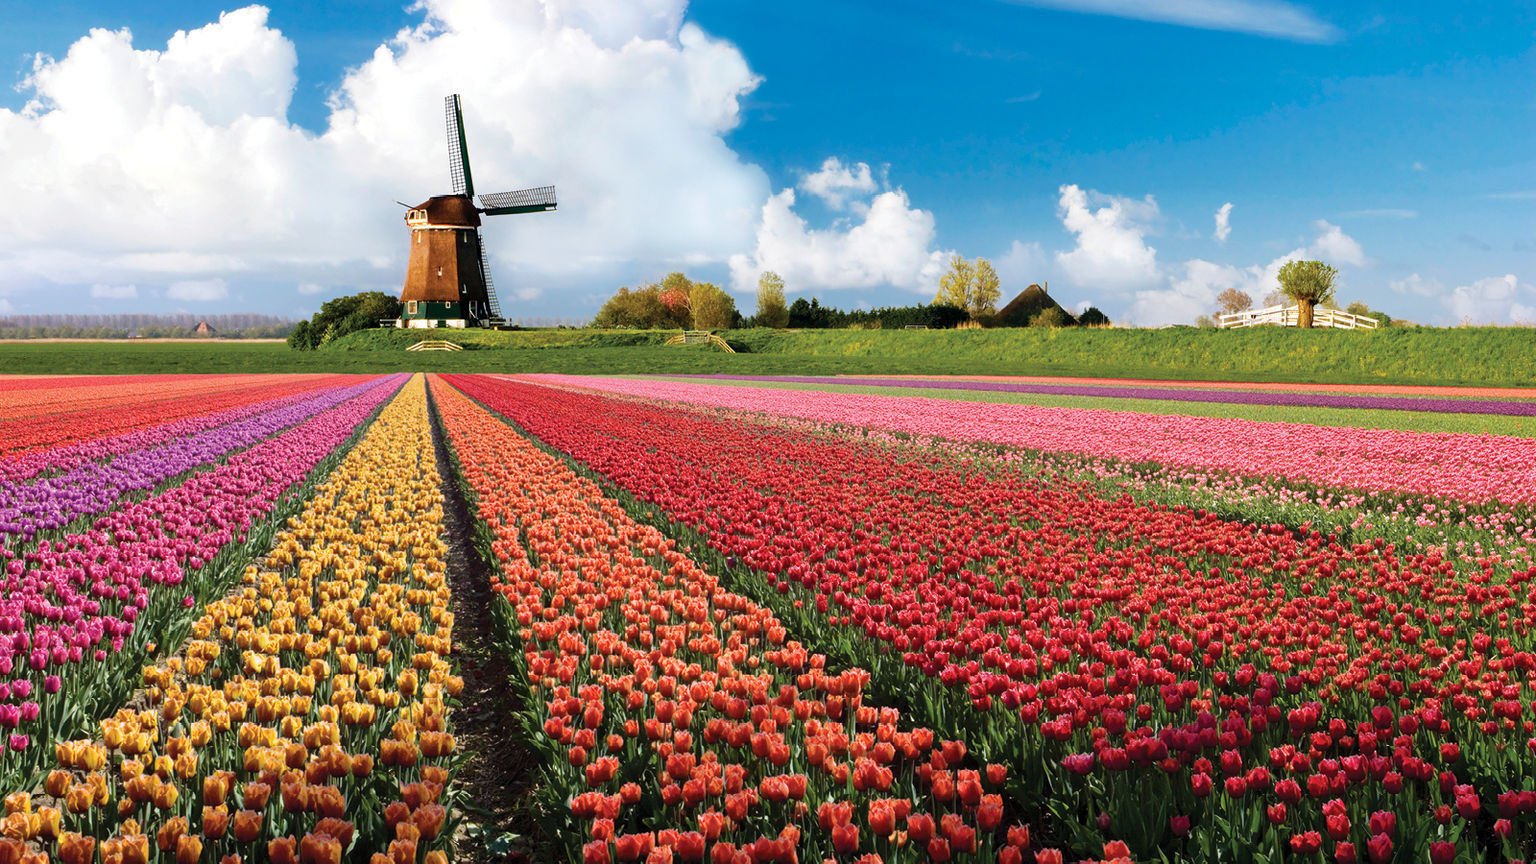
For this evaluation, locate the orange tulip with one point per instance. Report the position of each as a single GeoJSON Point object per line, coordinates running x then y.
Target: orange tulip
{"type": "Point", "coordinates": [170, 832]}
{"type": "Point", "coordinates": [57, 783]}
{"type": "Point", "coordinates": [320, 849]}
{"type": "Point", "coordinates": [76, 848]}
{"type": "Point", "coordinates": [189, 849]}
{"type": "Point", "coordinates": [215, 822]}
{"type": "Point", "coordinates": [247, 825]}
{"type": "Point", "coordinates": [283, 850]}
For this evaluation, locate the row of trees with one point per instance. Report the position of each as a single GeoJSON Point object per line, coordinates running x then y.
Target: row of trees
{"type": "Point", "coordinates": [674, 302]}
{"type": "Point", "coordinates": [242, 325]}
{"type": "Point", "coordinates": [968, 292]}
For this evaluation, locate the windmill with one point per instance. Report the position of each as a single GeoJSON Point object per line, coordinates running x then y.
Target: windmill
{"type": "Point", "coordinates": [448, 278]}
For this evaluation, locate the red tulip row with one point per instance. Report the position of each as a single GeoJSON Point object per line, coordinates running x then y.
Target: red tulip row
{"type": "Point", "coordinates": [1171, 678]}
{"type": "Point", "coordinates": [678, 720]}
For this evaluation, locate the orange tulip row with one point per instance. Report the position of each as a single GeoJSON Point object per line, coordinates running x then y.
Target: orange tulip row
{"type": "Point", "coordinates": [309, 708]}
{"type": "Point", "coordinates": [681, 719]}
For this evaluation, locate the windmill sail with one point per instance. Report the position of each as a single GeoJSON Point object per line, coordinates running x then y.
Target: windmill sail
{"type": "Point", "coordinates": [458, 148]}
{"type": "Point", "coordinates": [492, 303]}
{"type": "Point", "coordinates": [535, 200]}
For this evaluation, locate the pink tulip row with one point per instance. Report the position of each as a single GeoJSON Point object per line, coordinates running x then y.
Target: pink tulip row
{"type": "Point", "coordinates": [1472, 468]}
{"type": "Point", "coordinates": [77, 601]}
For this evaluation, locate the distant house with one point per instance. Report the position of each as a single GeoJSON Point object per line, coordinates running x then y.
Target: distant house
{"type": "Point", "coordinates": [203, 328]}
{"type": "Point", "coordinates": [1029, 303]}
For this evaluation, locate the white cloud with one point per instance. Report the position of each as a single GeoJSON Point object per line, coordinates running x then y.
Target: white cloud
{"type": "Point", "coordinates": [1336, 247]}
{"type": "Point", "coordinates": [1110, 250]}
{"type": "Point", "coordinates": [1223, 222]}
{"type": "Point", "coordinates": [310, 288]}
{"type": "Point", "coordinates": [1259, 17]}
{"type": "Point", "coordinates": [198, 290]}
{"type": "Point", "coordinates": [1494, 300]}
{"type": "Point", "coordinates": [1418, 166]}
{"type": "Point", "coordinates": [834, 182]}
{"type": "Point", "coordinates": [1417, 286]}
{"type": "Point", "coordinates": [892, 245]}
{"type": "Point", "coordinates": [103, 291]}
{"type": "Point", "coordinates": [1022, 265]}
{"type": "Point", "coordinates": [5, 306]}
{"type": "Point", "coordinates": [1194, 294]}
{"type": "Point", "coordinates": [180, 164]}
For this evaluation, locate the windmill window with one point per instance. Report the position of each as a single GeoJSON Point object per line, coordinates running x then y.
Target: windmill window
{"type": "Point", "coordinates": [411, 307]}
{"type": "Point", "coordinates": [439, 271]}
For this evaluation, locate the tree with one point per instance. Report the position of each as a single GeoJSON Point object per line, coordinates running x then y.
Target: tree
{"type": "Point", "coordinates": [1308, 283]}
{"type": "Point", "coordinates": [1233, 301]}
{"type": "Point", "coordinates": [298, 337]}
{"type": "Point", "coordinates": [639, 308]}
{"type": "Point", "coordinates": [1204, 321]}
{"type": "Point", "coordinates": [972, 286]}
{"type": "Point", "coordinates": [712, 308]}
{"type": "Point", "coordinates": [342, 315]}
{"type": "Point", "coordinates": [1050, 316]}
{"type": "Point", "coordinates": [771, 308]}
{"type": "Point", "coordinates": [1093, 317]}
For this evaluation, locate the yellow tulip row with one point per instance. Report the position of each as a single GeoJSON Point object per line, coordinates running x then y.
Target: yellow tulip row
{"type": "Point", "coordinates": [309, 707]}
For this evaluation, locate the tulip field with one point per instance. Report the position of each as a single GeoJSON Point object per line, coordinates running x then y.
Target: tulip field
{"type": "Point", "coordinates": [740, 624]}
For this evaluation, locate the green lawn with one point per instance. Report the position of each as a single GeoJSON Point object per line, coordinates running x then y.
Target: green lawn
{"type": "Point", "coordinates": [1471, 356]}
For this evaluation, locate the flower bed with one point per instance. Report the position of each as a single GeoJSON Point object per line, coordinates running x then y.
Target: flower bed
{"type": "Point", "coordinates": [1470, 468]}
{"type": "Point", "coordinates": [678, 720]}
{"type": "Point", "coordinates": [95, 408]}
{"type": "Point", "coordinates": [1152, 674]}
{"type": "Point", "coordinates": [76, 612]}
{"type": "Point", "coordinates": [308, 716]}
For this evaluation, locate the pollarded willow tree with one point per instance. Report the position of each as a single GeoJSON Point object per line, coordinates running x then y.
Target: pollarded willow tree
{"type": "Point", "coordinates": [970, 285]}
{"type": "Point", "coordinates": [1308, 283]}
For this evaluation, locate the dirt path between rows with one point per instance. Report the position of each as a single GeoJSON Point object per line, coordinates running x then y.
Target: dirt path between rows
{"type": "Point", "coordinates": [500, 779]}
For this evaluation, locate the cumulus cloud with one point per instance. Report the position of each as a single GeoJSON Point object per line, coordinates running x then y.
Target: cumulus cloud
{"type": "Point", "coordinates": [835, 182]}
{"type": "Point", "coordinates": [1192, 294]}
{"type": "Point", "coordinates": [1022, 265]}
{"type": "Point", "coordinates": [1336, 247]}
{"type": "Point", "coordinates": [891, 244]}
{"type": "Point", "coordinates": [1223, 222]}
{"type": "Point", "coordinates": [1111, 249]}
{"type": "Point", "coordinates": [198, 290]}
{"type": "Point", "coordinates": [179, 164]}
{"type": "Point", "coordinates": [311, 288]}
{"type": "Point", "coordinates": [102, 291]}
{"type": "Point", "coordinates": [1417, 286]}
{"type": "Point", "coordinates": [1494, 300]}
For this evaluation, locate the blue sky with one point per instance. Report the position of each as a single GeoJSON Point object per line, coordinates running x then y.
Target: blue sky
{"type": "Point", "coordinates": [1393, 139]}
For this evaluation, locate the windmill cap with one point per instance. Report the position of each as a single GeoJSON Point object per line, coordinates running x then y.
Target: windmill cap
{"type": "Point", "coordinates": [455, 211]}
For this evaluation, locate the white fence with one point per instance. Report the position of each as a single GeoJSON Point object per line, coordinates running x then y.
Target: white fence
{"type": "Point", "coordinates": [1289, 316]}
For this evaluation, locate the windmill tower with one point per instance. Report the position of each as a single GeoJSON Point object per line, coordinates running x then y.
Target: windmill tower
{"type": "Point", "coordinates": [448, 278]}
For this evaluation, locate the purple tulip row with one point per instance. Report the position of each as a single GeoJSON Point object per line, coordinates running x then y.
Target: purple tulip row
{"type": "Point", "coordinates": [59, 460]}
{"type": "Point", "coordinates": [1172, 394]}
{"type": "Point", "coordinates": [73, 600]}
{"type": "Point", "coordinates": [94, 487]}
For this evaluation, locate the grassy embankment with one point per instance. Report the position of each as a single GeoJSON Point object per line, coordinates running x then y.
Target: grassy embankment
{"type": "Point", "coordinates": [1482, 356]}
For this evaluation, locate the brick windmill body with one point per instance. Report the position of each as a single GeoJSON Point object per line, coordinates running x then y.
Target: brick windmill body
{"type": "Point", "coordinates": [448, 278]}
